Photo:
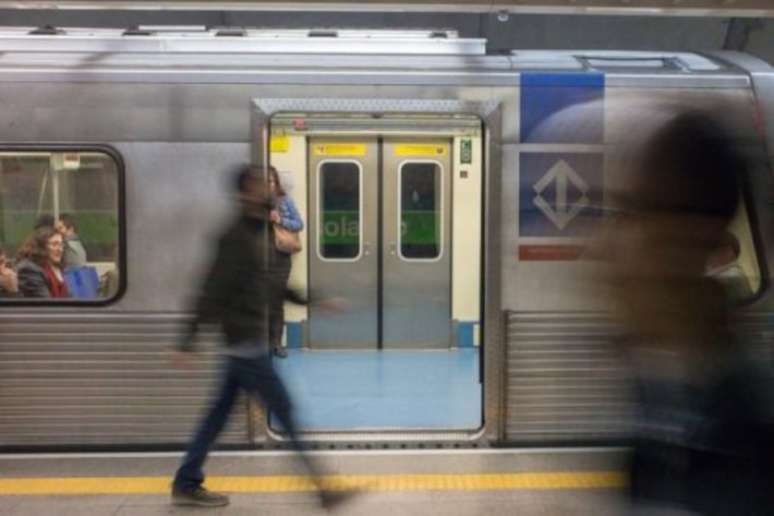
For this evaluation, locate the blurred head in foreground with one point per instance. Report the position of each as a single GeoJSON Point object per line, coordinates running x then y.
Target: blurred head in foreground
{"type": "Point", "coordinates": [253, 192]}
{"type": "Point", "coordinates": [704, 422]}
{"type": "Point", "coordinates": [674, 214]}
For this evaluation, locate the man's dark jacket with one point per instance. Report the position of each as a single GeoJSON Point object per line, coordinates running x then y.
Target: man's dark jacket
{"type": "Point", "coordinates": [238, 286]}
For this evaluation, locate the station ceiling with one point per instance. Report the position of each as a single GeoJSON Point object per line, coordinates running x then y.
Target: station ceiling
{"type": "Point", "coordinates": [724, 8]}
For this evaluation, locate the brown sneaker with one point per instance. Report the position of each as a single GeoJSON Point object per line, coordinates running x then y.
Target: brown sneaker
{"type": "Point", "coordinates": [199, 496]}
{"type": "Point", "coordinates": [280, 352]}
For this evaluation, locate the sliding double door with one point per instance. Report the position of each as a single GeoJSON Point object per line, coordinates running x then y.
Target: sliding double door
{"type": "Point", "coordinates": [379, 227]}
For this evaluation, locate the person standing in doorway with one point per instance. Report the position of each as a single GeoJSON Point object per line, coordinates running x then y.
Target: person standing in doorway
{"type": "Point", "coordinates": [285, 215]}
{"type": "Point", "coordinates": [237, 293]}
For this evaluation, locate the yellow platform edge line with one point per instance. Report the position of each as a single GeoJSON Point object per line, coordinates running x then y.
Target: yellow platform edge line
{"type": "Point", "coordinates": [297, 483]}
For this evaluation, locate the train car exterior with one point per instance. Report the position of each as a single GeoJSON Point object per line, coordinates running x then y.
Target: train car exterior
{"type": "Point", "coordinates": [443, 196]}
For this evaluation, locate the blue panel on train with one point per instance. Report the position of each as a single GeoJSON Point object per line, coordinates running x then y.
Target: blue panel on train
{"type": "Point", "coordinates": [545, 94]}
{"type": "Point", "coordinates": [560, 193]}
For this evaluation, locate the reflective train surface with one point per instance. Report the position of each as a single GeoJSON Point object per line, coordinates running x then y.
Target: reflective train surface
{"type": "Point", "coordinates": [446, 195]}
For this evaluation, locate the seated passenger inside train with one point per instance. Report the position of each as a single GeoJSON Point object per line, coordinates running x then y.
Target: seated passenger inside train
{"type": "Point", "coordinates": [74, 251]}
{"type": "Point", "coordinates": [109, 278]}
{"type": "Point", "coordinates": [9, 285]}
{"type": "Point", "coordinates": [39, 265]}
{"type": "Point", "coordinates": [45, 221]}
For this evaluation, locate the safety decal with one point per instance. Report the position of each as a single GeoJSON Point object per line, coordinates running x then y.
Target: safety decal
{"type": "Point", "coordinates": [279, 144]}
{"type": "Point", "coordinates": [339, 149]}
{"type": "Point", "coordinates": [420, 149]}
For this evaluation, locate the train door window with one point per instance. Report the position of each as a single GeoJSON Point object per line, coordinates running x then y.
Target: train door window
{"type": "Point", "coordinates": [420, 210]}
{"type": "Point", "coordinates": [340, 210]}
{"type": "Point", "coordinates": [59, 225]}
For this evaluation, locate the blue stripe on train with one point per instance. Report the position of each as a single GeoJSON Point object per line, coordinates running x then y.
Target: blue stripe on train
{"type": "Point", "coordinates": [545, 94]}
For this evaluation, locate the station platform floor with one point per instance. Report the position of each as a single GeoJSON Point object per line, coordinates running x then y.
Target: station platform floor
{"type": "Point", "coordinates": [486, 482]}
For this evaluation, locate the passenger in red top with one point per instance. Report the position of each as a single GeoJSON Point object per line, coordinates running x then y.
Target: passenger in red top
{"type": "Point", "coordinates": [39, 267]}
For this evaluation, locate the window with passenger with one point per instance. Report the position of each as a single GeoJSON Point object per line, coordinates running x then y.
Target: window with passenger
{"type": "Point", "coordinates": [59, 225]}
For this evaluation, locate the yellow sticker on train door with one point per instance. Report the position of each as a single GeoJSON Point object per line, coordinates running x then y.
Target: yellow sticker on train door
{"type": "Point", "coordinates": [339, 149]}
{"type": "Point", "coordinates": [279, 143]}
{"type": "Point", "coordinates": [425, 150]}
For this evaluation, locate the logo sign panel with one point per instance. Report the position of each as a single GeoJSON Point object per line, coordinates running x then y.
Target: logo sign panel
{"type": "Point", "coordinates": [560, 184]}
{"type": "Point", "coordinates": [560, 193]}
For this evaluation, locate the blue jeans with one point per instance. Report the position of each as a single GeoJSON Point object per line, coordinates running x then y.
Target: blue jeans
{"type": "Point", "coordinates": [257, 378]}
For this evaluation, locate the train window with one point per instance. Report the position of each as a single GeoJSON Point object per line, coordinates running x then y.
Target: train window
{"type": "Point", "coordinates": [420, 210]}
{"type": "Point", "coordinates": [340, 210]}
{"type": "Point", "coordinates": [735, 263]}
{"type": "Point", "coordinates": [59, 225]}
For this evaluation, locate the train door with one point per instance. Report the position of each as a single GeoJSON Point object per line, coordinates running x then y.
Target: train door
{"type": "Point", "coordinates": [343, 235]}
{"type": "Point", "coordinates": [416, 262]}
{"type": "Point", "coordinates": [392, 206]}
{"type": "Point", "coordinates": [380, 232]}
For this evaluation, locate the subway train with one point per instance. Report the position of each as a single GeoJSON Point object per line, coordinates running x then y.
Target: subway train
{"type": "Point", "coordinates": [447, 196]}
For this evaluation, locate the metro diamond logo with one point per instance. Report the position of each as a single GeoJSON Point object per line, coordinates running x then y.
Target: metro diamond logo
{"type": "Point", "coordinates": [560, 194]}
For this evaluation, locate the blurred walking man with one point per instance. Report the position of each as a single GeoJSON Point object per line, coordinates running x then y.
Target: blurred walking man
{"type": "Point", "coordinates": [236, 294]}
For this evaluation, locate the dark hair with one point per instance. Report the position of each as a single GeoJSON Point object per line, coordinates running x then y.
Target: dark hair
{"type": "Point", "coordinates": [45, 221]}
{"type": "Point", "coordinates": [691, 166]}
{"type": "Point", "coordinates": [246, 174]}
{"type": "Point", "coordinates": [35, 247]}
{"type": "Point", "coordinates": [68, 221]}
{"type": "Point", "coordinates": [280, 191]}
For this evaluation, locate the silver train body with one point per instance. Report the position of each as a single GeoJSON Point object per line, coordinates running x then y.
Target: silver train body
{"type": "Point", "coordinates": [182, 110]}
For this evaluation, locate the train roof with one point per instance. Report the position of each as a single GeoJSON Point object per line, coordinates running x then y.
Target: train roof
{"type": "Point", "coordinates": [201, 54]}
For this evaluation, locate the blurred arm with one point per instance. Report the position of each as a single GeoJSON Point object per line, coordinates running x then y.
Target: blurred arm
{"type": "Point", "coordinates": [219, 284]}
{"type": "Point", "coordinates": [295, 296]}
